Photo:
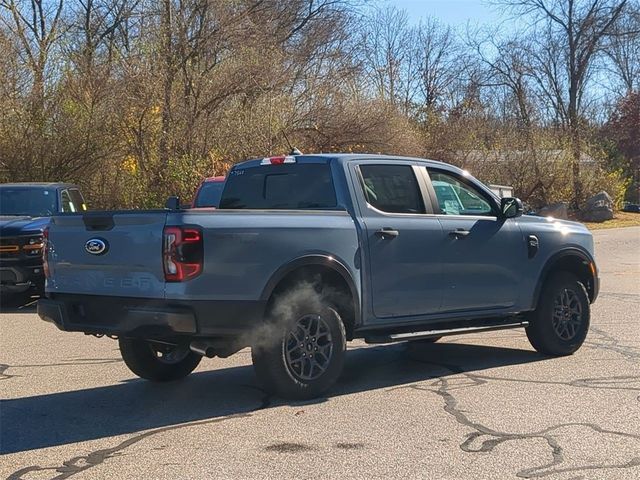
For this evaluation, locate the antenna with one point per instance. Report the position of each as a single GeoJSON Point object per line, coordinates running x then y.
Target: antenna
{"type": "Point", "coordinates": [293, 150]}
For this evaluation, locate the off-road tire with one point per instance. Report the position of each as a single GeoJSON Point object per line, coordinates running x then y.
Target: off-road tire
{"type": "Point", "coordinates": [555, 329]}
{"type": "Point", "coordinates": [141, 358]}
{"type": "Point", "coordinates": [272, 352]}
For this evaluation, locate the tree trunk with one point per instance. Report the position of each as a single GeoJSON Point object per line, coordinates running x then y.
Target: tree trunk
{"type": "Point", "coordinates": [167, 85]}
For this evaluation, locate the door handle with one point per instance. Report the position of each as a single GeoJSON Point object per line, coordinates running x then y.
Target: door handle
{"type": "Point", "coordinates": [459, 232]}
{"type": "Point", "coordinates": [387, 232]}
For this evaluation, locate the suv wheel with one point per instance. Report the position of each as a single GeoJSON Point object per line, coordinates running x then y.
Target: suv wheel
{"type": "Point", "coordinates": [158, 362]}
{"type": "Point", "coordinates": [303, 354]}
{"type": "Point", "coordinates": [560, 323]}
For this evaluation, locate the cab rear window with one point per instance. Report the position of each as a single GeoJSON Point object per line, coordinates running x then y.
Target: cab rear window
{"type": "Point", "coordinates": [289, 187]}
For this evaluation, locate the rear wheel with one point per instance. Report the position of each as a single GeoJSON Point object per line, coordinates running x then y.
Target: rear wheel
{"type": "Point", "coordinates": [158, 362]}
{"type": "Point", "coordinates": [303, 354]}
{"type": "Point", "coordinates": [560, 323]}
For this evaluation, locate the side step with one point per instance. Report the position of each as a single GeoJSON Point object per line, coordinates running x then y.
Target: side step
{"type": "Point", "coordinates": [403, 337]}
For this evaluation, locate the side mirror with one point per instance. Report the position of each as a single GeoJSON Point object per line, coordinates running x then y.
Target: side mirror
{"type": "Point", "coordinates": [172, 203]}
{"type": "Point", "coordinates": [511, 207]}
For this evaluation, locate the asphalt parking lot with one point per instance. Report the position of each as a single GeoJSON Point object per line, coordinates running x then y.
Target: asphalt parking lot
{"type": "Point", "coordinates": [480, 406]}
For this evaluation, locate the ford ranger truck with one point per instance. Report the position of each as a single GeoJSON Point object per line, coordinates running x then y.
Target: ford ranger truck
{"type": "Point", "coordinates": [25, 209]}
{"type": "Point", "coordinates": [307, 252]}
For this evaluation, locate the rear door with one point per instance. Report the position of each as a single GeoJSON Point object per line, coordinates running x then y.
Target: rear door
{"type": "Point", "coordinates": [481, 252]}
{"type": "Point", "coordinates": [107, 253]}
{"type": "Point", "coordinates": [404, 264]}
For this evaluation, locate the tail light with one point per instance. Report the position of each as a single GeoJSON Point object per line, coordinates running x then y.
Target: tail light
{"type": "Point", "coordinates": [45, 252]}
{"type": "Point", "coordinates": [182, 253]}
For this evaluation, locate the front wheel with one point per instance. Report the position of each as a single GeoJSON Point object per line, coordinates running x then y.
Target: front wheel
{"type": "Point", "coordinates": [304, 354]}
{"type": "Point", "coordinates": [158, 362]}
{"type": "Point", "coordinates": [560, 324]}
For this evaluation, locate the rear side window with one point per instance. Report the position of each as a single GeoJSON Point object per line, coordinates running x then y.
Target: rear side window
{"type": "Point", "coordinates": [392, 188]}
{"type": "Point", "coordinates": [209, 194]}
{"type": "Point", "coordinates": [289, 187]}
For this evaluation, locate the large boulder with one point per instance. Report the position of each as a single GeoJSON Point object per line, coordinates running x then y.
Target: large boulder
{"type": "Point", "coordinates": [556, 210]}
{"type": "Point", "coordinates": [598, 208]}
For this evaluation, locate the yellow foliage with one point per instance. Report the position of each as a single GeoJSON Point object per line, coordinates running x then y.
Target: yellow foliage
{"type": "Point", "coordinates": [130, 164]}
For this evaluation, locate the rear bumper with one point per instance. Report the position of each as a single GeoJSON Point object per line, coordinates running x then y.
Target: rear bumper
{"type": "Point", "coordinates": [146, 318]}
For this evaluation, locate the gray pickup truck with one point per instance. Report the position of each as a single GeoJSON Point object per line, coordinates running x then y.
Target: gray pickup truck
{"type": "Point", "coordinates": [307, 252]}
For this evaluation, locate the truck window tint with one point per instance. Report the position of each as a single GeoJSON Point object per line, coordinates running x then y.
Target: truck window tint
{"type": "Point", "coordinates": [30, 201]}
{"type": "Point", "coordinates": [209, 194]}
{"type": "Point", "coordinates": [290, 186]}
{"type": "Point", "coordinates": [65, 202]}
{"type": "Point", "coordinates": [76, 199]}
{"type": "Point", "coordinates": [392, 188]}
{"type": "Point", "coordinates": [458, 198]}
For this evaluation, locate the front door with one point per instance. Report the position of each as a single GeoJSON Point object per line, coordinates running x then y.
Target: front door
{"type": "Point", "coordinates": [480, 251]}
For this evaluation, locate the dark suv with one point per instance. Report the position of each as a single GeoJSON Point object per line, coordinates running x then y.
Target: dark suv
{"type": "Point", "coordinates": [25, 209]}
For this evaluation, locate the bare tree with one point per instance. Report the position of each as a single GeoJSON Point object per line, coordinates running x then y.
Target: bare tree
{"type": "Point", "coordinates": [569, 34]}
{"type": "Point", "coordinates": [439, 62]}
{"type": "Point", "coordinates": [37, 27]}
{"type": "Point", "coordinates": [389, 57]}
{"type": "Point", "coordinates": [623, 51]}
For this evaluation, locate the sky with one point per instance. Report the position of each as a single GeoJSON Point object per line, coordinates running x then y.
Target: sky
{"type": "Point", "coordinates": [453, 12]}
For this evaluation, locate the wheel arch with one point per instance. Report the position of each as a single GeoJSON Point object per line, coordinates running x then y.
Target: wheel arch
{"type": "Point", "coordinates": [573, 260]}
{"type": "Point", "coordinates": [332, 273]}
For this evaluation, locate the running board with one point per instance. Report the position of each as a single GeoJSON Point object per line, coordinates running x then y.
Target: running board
{"type": "Point", "coordinates": [403, 337]}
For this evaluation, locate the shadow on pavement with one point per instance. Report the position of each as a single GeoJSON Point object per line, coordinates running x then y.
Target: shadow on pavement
{"type": "Point", "coordinates": [68, 417]}
{"type": "Point", "coordinates": [22, 303]}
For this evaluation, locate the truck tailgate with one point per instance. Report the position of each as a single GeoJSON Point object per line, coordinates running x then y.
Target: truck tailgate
{"type": "Point", "coordinates": [107, 253]}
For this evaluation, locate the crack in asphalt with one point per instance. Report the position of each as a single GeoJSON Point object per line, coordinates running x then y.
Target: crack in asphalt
{"type": "Point", "coordinates": [65, 363]}
{"type": "Point", "coordinates": [3, 369]}
{"type": "Point", "coordinates": [82, 463]}
{"type": "Point", "coordinates": [602, 383]}
{"type": "Point", "coordinates": [445, 388]}
{"type": "Point", "coordinates": [609, 342]}
{"type": "Point", "coordinates": [633, 297]}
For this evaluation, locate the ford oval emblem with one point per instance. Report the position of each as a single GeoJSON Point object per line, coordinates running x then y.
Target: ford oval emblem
{"type": "Point", "coordinates": [96, 246]}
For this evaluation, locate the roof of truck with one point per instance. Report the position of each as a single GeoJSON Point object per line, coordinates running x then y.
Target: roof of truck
{"type": "Point", "coordinates": [39, 184]}
{"type": "Point", "coordinates": [339, 157]}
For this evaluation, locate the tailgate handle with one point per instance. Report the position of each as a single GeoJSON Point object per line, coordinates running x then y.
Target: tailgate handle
{"type": "Point", "coordinates": [102, 222]}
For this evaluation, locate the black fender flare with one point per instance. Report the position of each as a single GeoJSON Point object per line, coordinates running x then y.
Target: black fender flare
{"type": "Point", "coordinates": [322, 260]}
{"type": "Point", "coordinates": [553, 260]}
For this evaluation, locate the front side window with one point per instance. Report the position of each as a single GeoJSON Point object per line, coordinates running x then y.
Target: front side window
{"type": "Point", "coordinates": [458, 198]}
{"type": "Point", "coordinates": [392, 188]}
